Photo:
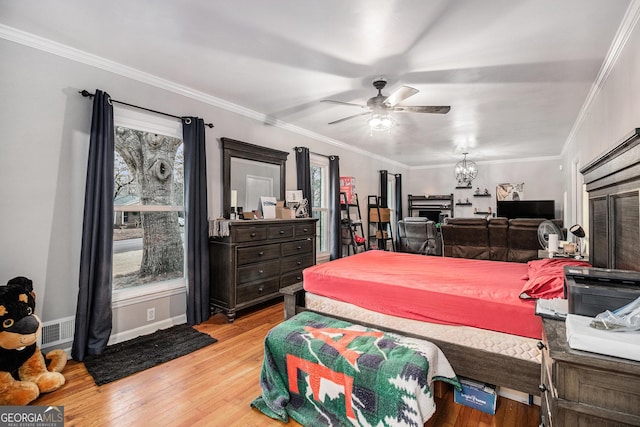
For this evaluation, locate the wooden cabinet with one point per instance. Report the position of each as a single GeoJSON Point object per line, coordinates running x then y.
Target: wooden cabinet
{"type": "Point", "coordinates": [257, 259]}
{"type": "Point", "coordinates": [612, 181]}
{"type": "Point", "coordinates": [585, 389]}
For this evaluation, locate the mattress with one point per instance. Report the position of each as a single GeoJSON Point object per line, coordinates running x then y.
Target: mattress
{"type": "Point", "coordinates": [480, 339]}
{"type": "Point", "coordinates": [452, 291]}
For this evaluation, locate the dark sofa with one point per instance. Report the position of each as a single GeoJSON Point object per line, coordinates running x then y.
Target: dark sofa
{"type": "Point", "coordinates": [498, 239]}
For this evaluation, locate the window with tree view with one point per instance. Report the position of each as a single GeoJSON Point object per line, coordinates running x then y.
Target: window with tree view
{"type": "Point", "coordinates": [320, 210]}
{"type": "Point", "coordinates": [148, 226]}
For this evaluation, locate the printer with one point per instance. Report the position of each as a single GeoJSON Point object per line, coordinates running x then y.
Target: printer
{"type": "Point", "coordinates": [591, 290]}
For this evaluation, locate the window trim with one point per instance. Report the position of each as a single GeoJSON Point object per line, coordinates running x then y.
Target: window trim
{"type": "Point", "coordinates": [134, 119]}
{"type": "Point", "coordinates": [322, 162]}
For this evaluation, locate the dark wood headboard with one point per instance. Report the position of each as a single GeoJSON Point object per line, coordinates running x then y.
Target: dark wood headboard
{"type": "Point", "coordinates": [613, 184]}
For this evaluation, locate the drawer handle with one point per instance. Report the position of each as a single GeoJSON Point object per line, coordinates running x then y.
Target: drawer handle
{"type": "Point", "coordinates": [305, 230]}
{"type": "Point", "coordinates": [299, 247]}
{"type": "Point", "coordinates": [298, 278]}
{"type": "Point", "coordinates": [299, 262]}
{"type": "Point", "coordinates": [542, 388]}
{"type": "Point", "coordinates": [260, 253]}
{"type": "Point", "coordinates": [281, 231]}
{"type": "Point", "coordinates": [261, 288]}
{"type": "Point", "coordinates": [260, 271]}
{"type": "Point", "coordinates": [253, 234]}
{"type": "Point", "coordinates": [540, 345]}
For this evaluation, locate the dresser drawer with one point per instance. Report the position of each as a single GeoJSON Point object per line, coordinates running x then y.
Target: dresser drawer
{"type": "Point", "coordinates": [297, 247]}
{"type": "Point", "coordinates": [280, 231]}
{"type": "Point", "coordinates": [261, 270]}
{"type": "Point", "coordinates": [258, 253]}
{"type": "Point", "coordinates": [252, 291]}
{"type": "Point", "coordinates": [296, 262]}
{"type": "Point", "coordinates": [291, 278]}
{"type": "Point", "coordinates": [249, 234]}
{"type": "Point", "coordinates": [305, 230]}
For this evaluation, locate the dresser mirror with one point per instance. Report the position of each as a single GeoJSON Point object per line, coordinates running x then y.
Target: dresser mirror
{"type": "Point", "coordinates": [249, 172]}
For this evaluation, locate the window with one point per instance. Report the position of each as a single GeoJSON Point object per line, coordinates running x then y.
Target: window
{"type": "Point", "coordinates": [320, 208]}
{"type": "Point", "coordinates": [391, 196]}
{"type": "Point", "coordinates": [148, 175]}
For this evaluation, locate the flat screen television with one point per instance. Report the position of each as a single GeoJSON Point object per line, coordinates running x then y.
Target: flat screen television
{"type": "Point", "coordinates": [526, 209]}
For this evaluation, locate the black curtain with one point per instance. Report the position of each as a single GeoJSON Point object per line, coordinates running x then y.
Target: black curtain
{"type": "Point", "coordinates": [93, 313]}
{"type": "Point", "coordinates": [335, 241]}
{"type": "Point", "coordinates": [303, 171]}
{"type": "Point", "coordinates": [398, 206]}
{"type": "Point", "coordinates": [384, 195]}
{"type": "Point", "coordinates": [197, 223]}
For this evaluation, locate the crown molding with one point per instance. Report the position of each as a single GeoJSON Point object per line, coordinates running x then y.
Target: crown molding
{"type": "Point", "coordinates": [83, 57]}
{"type": "Point", "coordinates": [490, 162]}
{"type": "Point", "coordinates": [628, 24]}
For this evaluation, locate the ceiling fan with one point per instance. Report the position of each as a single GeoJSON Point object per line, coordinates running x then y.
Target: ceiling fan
{"type": "Point", "coordinates": [381, 104]}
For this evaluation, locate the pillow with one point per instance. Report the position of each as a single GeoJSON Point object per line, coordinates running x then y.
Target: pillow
{"type": "Point", "coordinates": [545, 277]}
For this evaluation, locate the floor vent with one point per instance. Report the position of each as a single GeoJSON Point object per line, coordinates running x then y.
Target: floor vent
{"type": "Point", "coordinates": [57, 331]}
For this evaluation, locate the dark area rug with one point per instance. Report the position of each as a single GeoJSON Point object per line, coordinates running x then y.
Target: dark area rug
{"type": "Point", "coordinates": [144, 352]}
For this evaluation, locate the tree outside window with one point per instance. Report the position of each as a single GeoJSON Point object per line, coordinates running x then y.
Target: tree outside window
{"type": "Point", "coordinates": [148, 208]}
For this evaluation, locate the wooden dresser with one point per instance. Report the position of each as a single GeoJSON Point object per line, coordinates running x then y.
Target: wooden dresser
{"type": "Point", "coordinates": [257, 259]}
{"type": "Point", "coordinates": [585, 389]}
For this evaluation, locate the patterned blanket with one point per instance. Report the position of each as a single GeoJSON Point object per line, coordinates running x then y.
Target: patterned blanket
{"type": "Point", "coordinates": [323, 371]}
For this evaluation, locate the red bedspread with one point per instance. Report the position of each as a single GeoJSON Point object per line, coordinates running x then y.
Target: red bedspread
{"type": "Point", "coordinates": [454, 291]}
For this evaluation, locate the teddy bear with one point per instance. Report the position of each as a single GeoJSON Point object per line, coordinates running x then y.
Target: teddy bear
{"type": "Point", "coordinates": [24, 374]}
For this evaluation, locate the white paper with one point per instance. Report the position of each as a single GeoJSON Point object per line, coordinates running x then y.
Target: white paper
{"type": "Point", "coordinates": [553, 243]}
{"type": "Point", "coordinates": [268, 206]}
{"type": "Point", "coordinates": [581, 336]}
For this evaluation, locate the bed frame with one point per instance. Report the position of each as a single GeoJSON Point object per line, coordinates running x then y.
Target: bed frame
{"type": "Point", "coordinates": [481, 365]}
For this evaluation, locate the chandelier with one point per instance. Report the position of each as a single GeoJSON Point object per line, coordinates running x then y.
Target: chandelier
{"type": "Point", "coordinates": [465, 171]}
{"type": "Point", "coordinates": [381, 122]}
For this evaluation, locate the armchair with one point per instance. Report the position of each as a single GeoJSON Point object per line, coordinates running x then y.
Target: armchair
{"type": "Point", "coordinates": [419, 236]}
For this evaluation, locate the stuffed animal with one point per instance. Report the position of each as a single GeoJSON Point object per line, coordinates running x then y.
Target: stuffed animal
{"type": "Point", "coordinates": [23, 371]}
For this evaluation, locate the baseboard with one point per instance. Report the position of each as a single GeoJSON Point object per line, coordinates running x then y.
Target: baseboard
{"type": "Point", "coordinates": [147, 329]}
{"type": "Point", "coordinates": [519, 396]}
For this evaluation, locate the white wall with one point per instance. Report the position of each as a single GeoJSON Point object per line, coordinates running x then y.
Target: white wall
{"type": "Point", "coordinates": [43, 153]}
{"type": "Point", "coordinates": [542, 178]}
{"type": "Point", "coordinates": [612, 113]}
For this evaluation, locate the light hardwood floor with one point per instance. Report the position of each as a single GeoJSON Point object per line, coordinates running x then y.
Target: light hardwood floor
{"type": "Point", "coordinates": [215, 385]}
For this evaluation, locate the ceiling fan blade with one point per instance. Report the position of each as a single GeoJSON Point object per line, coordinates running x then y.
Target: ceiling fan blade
{"type": "Point", "coordinates": [441, 109]}
{"type": "Point", "coordinates": [349, 117]}
{"type": "Point", "coordinates": [399, 95]}
{"type": "Point", "coordinates": [343, 103]}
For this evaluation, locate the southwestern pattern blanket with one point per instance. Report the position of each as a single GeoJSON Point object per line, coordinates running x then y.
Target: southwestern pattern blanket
{"type": "Point", "coordinates": [323, 371]}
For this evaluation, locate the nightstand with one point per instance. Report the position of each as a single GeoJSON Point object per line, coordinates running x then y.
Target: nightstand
{"type": "Point", "coordinates": [585, 389]}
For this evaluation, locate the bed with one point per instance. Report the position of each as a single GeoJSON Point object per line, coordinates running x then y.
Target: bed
{"type": "Point", "coordinates": [480, 313]}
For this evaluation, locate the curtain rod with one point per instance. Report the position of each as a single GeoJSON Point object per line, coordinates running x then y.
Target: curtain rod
{"type": "Point", "coordinates": [88, 94]}
{"type": "Point", "coordinates": [311, 152]}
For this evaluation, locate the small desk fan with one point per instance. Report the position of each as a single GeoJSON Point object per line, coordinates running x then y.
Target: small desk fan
{"type": "Point", "coordinates": [545, 228]}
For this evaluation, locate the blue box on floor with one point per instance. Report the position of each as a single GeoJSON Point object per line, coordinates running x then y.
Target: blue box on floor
{"type": "Point", "coordinates": [476, 395]}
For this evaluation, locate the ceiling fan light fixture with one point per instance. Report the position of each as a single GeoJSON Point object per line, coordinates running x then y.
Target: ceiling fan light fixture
{"type": "Point", "coordinates": [381, 122]}
{"type": "Point", "coordinates": [466, 171]}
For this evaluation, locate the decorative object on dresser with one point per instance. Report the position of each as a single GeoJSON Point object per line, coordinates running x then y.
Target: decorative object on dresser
{"type": "Point", "coordinates": [257, 258]}
{"type": "Point", "coordinates": [585, 389]}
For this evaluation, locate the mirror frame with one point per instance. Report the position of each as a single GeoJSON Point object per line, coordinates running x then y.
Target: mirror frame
{"type": "Point", "coordinates": [244, 150]}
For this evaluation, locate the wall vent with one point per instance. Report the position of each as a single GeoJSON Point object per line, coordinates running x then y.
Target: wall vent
{"type": "Point", "coordinates": [57, 331]}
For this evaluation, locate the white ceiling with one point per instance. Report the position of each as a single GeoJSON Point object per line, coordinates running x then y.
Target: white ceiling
{"type": "Point", "coordinates": [516, 73]}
